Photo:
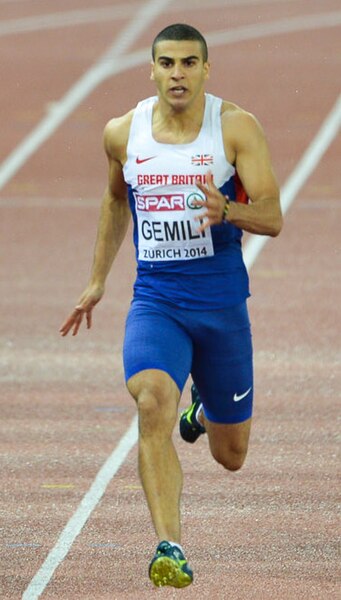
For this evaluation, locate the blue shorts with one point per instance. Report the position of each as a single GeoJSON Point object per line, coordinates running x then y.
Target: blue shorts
{"type": "Point", "coordinates": [215, 347]}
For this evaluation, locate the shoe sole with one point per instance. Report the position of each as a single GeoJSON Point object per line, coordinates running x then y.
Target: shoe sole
{"type": "Point", "coordinates": [165, 571]}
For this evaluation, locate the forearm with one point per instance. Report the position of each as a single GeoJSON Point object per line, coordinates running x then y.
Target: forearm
{"type": "Point", "coordinates": [263, 217]}
{"type": "Point", "coordinates": [112, 227]}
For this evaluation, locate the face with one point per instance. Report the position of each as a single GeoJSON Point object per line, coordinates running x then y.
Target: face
{"type": "Point", "coordinates": [179, 72]}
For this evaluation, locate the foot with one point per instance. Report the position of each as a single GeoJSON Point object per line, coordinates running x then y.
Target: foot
{"type": "Point", "coordinates": [169, 567]}
{"type": "Point", "coordinates": [190, 426]}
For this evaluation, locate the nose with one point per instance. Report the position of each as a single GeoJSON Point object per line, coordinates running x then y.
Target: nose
{"type": "Point", "coordinates": [177, 72]}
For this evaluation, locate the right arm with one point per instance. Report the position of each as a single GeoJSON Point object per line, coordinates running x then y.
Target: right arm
{"type": "Point", "coordinates": [112, 226]}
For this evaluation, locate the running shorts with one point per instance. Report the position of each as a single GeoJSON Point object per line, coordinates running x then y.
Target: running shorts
{"type": "Point", "coordinates": [215, 347]}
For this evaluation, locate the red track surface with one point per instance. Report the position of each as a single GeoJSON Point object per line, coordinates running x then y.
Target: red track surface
{"type": "Point", "coordinates": [269, 532]}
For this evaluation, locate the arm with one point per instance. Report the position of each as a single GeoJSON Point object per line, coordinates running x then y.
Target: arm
{"type": "Point", "coordinates": [112, 227]}
{"type": "Point", "coordinates": [247, 149]}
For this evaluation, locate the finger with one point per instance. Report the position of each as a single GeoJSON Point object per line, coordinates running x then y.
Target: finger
{"type": "Point", "coordinates": [77, 322]}
{"type": "Point", "coordinates": [209, 178]}
{"type": "Point", "coordinates": [73, 322]}
{"type": "Point", "coordinates": [65, 328]}
{"type": "Point", "coordinates": [89, 319]}
{"type": "Point", "coordinates": [202, 187]}
{"type": "Point", "coordinates": [199, 203]}
{"type": "Point", "coordinates": [204, 223]}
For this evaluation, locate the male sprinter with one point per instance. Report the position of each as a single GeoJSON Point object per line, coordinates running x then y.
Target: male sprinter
{"type": "Point", "coordinates": [179, 163]}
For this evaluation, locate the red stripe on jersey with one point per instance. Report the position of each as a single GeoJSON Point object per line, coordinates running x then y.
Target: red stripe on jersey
{"type": "Point", "coordinates": [241, 195]}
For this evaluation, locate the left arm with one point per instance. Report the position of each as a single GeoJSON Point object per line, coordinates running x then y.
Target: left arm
{"type": "Point", "coordinates": [247, 149]}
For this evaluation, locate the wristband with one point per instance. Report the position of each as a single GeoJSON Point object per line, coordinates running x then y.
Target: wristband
{"type": "Point", "coordinates": [226, 209]}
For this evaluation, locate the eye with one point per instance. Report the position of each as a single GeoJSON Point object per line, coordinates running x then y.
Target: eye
{"type": "Point", "coordinates": [165, 63]}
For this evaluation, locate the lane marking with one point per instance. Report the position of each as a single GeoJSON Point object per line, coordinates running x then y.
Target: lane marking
{"type": "Point", "coordinates": [58, 486]}
{"type": "Point", "coordinates": [101, 14]}
{"type": "Point", "coordinates": [68, 18]}
{"type": "Point", "coordinates": [83, 512]}
{"type": "Point", "coordinates": [116, 459]}
{"type": "Point", "coordinates": [305, 167]}
{"type": "Point", "coordinates": [143, 18]}
{"type": "Point", "coordinates": [282, 26]}
{"type": "Point", "coordinates": [23, 545]}
{"type": "Point", "coordinates": [111, 63]}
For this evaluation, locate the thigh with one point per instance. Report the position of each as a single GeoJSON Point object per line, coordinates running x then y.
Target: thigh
{"type": "Point", "coordinates": [154, 340]}
{"type": "Point", "coordinates": [223, 367]}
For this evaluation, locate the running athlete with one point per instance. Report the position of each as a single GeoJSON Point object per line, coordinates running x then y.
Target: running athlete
{"type": "Point", "coordinates": [184, 163]}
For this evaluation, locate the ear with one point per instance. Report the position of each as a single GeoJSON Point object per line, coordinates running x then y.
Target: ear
{"type": "Point", "coordinates": [152, 71]}
{"type": "Point", "coordinates": [207, 67]}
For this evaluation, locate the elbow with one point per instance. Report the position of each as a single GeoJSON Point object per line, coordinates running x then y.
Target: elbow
{"type": "Point", "coordinates": [276, 226]}
{"type": "Point", "coordinates": [276, 222]}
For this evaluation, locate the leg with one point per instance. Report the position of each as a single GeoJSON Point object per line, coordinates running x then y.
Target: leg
{"type": "Point", "coordinates": [223, 374]}
{"type": "Point", "coordinates": [228, 442]}
{"type": "Point", "coordinates": [157, 360]}
{"type": "Point", "coordinates": [157, 398]}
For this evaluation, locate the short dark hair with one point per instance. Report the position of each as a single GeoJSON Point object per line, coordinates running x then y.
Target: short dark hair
{"type": "Point", "coordinates": [179, 32]}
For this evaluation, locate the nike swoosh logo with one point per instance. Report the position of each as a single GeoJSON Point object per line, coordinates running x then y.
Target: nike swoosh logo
{"type": "Point", "coordinates": [142, 160]}
{"type": "Point", "coordinates": [237, 397]}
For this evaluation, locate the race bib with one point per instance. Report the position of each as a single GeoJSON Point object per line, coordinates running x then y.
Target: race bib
{"type": "Point", "coordinates": [168, 229]}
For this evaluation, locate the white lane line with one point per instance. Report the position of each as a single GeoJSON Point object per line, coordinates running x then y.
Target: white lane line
{"type": "Point", "coordinates": [80, 517]}
{"type": "Point", "coordinates": [69, 18]}
{"type": "Point", "coordinates": [305, 167]}
{"type": "Point", "coordinates": [290, 25]}
{"type": "Point", "coordinates": [314, 152]}
{"type": "Point", "coordinates": [111, 63]}
{"type": "Point", "coordinates": [142, 20]}
{"type": "Point", "coordinates": [101, 14]}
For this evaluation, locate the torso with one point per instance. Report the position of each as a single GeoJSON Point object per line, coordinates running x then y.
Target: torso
{"type": "Point", "coordinates": [161, 178]}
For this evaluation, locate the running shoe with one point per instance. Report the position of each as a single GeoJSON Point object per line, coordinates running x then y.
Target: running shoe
{"type": "Point", "coordinates": [169, 567]}
{"type": "Point", "coordinates": [190, 427]}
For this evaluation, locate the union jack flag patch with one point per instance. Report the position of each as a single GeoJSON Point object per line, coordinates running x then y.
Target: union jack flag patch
{"type": "Point", "coordinates": [202, 159]}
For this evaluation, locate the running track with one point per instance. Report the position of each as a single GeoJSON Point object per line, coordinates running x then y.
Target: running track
{"type": "Point", "coordinates": [73, 520]}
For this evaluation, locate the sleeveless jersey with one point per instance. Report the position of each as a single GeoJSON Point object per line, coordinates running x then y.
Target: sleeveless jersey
{"type": "Point", "coordinates": [176, 263]}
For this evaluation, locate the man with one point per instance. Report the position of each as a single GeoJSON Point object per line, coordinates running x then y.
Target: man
{"type": "Point", "coordinates": [184, 164]}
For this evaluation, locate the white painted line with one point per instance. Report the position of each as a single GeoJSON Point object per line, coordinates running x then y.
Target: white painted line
{"type": "Point", "coordinates": [101, 14]}
{"type": "Point", "coordinates": [80, 517]}
{"type": "Point", "coordinates": [73, 528]}
{"type": "Point", "coordinates": [306, 166]}
{"type": "Point", "coordinates": [282, 26]}
{"type": "Point", "coordinates": [320, 144]}
{"type": "Point", "coordinates": [69, 18]}
{"type": "Point", "coordinates": [142, 19]}
{"type": "Point", "coordinates": [111, 63]}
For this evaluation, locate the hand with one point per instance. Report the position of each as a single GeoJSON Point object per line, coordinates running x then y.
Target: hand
{"type": "Point", "coordinates": [214, 203]}
{"type": "Point", "coordinates": [86, 303]}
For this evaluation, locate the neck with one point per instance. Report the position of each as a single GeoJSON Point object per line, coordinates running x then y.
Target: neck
{"type": "Point", "coordinates": [179, 119]}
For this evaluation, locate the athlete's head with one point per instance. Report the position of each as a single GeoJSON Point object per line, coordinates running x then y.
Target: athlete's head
{"type": "Point", "coordinates": [180, 32]}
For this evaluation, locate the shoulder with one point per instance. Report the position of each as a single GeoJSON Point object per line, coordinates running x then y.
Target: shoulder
{"type": "Point", "coordinates": [116, 134]}
{"type": "Point", "coordinates": [240, 128]}
{"type": "Point", "coordinates": [234, 118]}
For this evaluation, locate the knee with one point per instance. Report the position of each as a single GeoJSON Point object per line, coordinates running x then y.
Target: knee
{"type": "Point", "coordinates": [231, 459]}
{"type": "Point", "coordinates": [156, 404]}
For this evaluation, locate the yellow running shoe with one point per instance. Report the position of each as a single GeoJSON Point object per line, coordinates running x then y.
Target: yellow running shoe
{"type": "Point", "coordinates": [169, 567]}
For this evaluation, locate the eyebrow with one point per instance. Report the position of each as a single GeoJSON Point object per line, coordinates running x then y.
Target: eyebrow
{"type": "Point", "coordinates": [191, 57]}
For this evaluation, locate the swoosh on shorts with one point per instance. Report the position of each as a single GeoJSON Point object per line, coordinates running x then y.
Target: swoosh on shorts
{"type": "Point", "coordinates": [238, 397]}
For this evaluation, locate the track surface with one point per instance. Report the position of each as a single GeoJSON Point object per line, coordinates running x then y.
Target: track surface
{"type": "Point", "coordinates": [270, 531]}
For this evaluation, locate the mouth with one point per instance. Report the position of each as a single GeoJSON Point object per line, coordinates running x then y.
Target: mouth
{"type": "Point", "coordinates": [178, 91]}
